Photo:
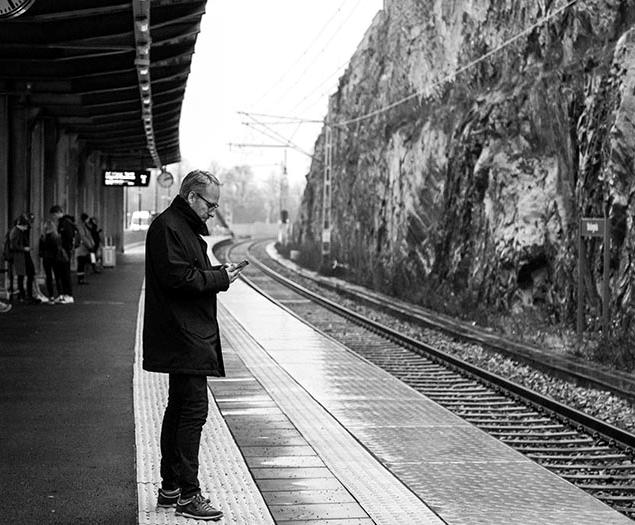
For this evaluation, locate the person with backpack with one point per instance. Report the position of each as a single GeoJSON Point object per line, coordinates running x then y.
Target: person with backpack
{"type": "Point", "coordinates": [53, 259]}
{"type": "Point", "coordinates": [67, 233]}
{"type": "Point", "coordinates": [84, 249]}
{"type": "Point", "coordinates": [95, 231]}
{"type": "Point", "coordinates": [20, 249]}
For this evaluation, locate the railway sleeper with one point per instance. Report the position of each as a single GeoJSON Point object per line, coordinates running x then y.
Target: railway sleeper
{"type": "Point", "coordinates": [479, 403]}
{"type": "Point", "coordinates": [517, 427]}
{"type": "Point", "coordinates": [595, 468]}
{"type": "Point", "coordinates": [457, 396]}
{"type": "Point", "coordinates": [491, 420]}
{"type": "Point", "coordinates": [598, 477]}
{"type": "Point", "coordinates": [408, 368]}
{"type": "Point", "coordinates": [611, 488]}
{"type": "Point", "coordinates": [466, 413]}
{"type": "Point", "coordinates": [610, 497]}
{"type": "Point", "coordinates": [516, 410]}
{"type": "Point", "coordinates": [533, 433]}
{"type": "Point", "coordinates": [538, 442]}
{"type": "Point", "coordinates": [442, 392]}
{"type": "Point", "coordinates": [628, 511]}
{"type": "Point", "coordinates": [432, 367]}
{"type": "Point", "coordinates": [446, 374]}
{"type": "Point", "coordinates": [431, 382]}
{"type": "Point", "coordinates": [578, 457]}
{"type": "Point", "coordinates": [564, 450]}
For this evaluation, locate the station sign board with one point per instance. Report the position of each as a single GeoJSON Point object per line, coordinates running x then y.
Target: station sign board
{"type": "Point", "coordinates": [126, 178]}
{"type": "Point", "coordinates": [592, 227]}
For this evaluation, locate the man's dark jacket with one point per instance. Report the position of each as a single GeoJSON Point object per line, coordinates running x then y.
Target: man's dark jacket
{"type": "Point", "coordinates": [180, 330]}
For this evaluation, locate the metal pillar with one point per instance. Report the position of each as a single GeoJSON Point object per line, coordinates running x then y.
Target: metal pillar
{"type": "Point", "coordinates": [5, 220]}
{"type": "Point", "coordinates": [594, 227]}
{"type": "Point", "coordinates": [605, 282]}
{"type": "Point", "coordinates": [327, 191]}
{"type": "Point", "coordinates": [581, 260]}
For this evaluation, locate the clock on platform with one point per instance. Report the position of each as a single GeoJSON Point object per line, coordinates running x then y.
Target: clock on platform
{"type": "Point", "coordinates": [13, 8]}
{"type": "Point", "coordinates": [165, 179]}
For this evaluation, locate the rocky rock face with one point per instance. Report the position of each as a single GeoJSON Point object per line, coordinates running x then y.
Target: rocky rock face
{"type": "Point", "coordinates": [517, 129]}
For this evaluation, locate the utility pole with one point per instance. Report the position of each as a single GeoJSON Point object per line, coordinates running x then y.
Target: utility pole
{"type": "Point", "coordinates": [284, 185]}
{"type": "Point", "coordinates": [327, 193]}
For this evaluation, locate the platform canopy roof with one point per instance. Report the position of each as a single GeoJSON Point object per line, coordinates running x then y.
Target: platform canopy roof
{"type": "Point", "coordinates": [112, 71]}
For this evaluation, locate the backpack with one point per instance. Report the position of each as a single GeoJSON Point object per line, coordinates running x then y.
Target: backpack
{"type": "Point", "coordinates": [77, 239]}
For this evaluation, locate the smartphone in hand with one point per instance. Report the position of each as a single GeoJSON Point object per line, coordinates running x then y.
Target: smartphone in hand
{"type": "Point", "coordinates": [242, 264]}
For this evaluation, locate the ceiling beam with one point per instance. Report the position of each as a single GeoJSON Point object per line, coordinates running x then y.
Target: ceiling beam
{"type": "Point", "coordinates": [77, 13]}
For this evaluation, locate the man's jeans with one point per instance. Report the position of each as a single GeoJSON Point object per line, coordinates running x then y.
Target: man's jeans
{"type": "Point", "coordinates": [183, 422]}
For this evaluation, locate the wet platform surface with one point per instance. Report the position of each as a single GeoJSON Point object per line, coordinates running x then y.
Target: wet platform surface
{"type": "Point", "coordinates": [301, 431]}
{"type": "Point", "coordinates": [309, 467]}
{"type": "Point", "coordinates": [456, 473]}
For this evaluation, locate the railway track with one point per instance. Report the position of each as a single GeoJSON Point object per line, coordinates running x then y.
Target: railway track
{"type": "Point", "coordinates": [595, 456]}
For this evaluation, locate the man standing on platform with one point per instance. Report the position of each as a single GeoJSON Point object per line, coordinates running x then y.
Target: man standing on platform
{"type": "Point", "coordinates": [181, 336]}
{"type": "Point", "coordinates": [66, 230]}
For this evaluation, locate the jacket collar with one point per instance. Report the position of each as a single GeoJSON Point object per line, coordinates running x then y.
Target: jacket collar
{"type": "Point", "coordinates": [181, 206]}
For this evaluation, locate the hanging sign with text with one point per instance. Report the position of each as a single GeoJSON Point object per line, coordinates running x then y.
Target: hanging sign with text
{"type": "Point", "coordinates": [126, 178]}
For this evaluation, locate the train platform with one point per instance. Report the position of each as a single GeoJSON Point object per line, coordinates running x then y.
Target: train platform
{"type": "Point", "coordinates": [301, 431]}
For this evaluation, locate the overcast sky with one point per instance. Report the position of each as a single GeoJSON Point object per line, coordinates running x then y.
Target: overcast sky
{"type": "Point", "coordinates": [281, 57]}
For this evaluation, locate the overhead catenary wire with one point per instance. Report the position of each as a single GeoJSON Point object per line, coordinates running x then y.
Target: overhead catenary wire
{"type": "Point", "coordinates": [274, 135]}
{"type": "Point", "coordinates": [458, 71]}
{"type": "Point", "coordinates": [288, 120]}
{"type": "Point", "coordinates": [291, 120]}
{"type": "Point", "coordinates": [446, 78]}
{"type": "Point", "coordinates": [312, 62]}
{"type": "Point", "coordinates": [326, 80]}
{"type": "Point", "coordinates": [297, 61]}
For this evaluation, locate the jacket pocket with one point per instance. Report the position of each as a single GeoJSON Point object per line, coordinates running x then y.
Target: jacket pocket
{"type": "Point", "coordinates": [201, 328]}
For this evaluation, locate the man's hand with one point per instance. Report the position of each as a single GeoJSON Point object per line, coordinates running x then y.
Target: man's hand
{"type": "Point", "coordinates": [232, 271]}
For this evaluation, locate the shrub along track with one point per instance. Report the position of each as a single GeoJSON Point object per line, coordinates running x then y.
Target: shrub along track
{"type": "Point", "coordinates": [592, 454]}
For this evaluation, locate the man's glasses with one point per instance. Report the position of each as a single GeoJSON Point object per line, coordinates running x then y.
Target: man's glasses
{"type": "Point", "coordinates": [211, 206]}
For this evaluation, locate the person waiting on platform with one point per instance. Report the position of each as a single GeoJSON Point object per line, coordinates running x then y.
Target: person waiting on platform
{"type": "Point", "coordinates": [84, 249]}
{"type": "Point", "coordinates": [7, 256]}
{"type": "Point", "coordinates": [181, 336]}
{"type": "Point", "coordinates": [95, 232]}
{"type": "Point", "coordinates": [53, 259]}
{"type": "Point", "coordinates": [66, 230]}
{"type": "Point", "coordinates": [22, 262]}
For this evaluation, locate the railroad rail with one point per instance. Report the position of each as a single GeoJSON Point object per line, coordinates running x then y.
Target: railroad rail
{"type": "Point", "coordinates": [583, 374]}
{"type": "Point", "coordinates": [592, 454]}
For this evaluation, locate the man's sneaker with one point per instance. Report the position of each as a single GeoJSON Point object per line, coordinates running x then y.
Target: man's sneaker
{"type": "Point", "coordinates": [66, 299]}
{"type": "Point", "coordinates": [168, 498]}
{"type": "Point", "coordinates": [197, 507]}
{"type": "Point", "coordinates": [5, 307]}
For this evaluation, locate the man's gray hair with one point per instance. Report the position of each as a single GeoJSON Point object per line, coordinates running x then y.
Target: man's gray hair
{"type": "Point", "coordinates": [197, 181]}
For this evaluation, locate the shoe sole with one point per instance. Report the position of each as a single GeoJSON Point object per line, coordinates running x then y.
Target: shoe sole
{"type": "Point", "coordinates": [202, 518]}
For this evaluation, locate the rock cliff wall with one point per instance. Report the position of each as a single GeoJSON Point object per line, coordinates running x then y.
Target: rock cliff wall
{"type": "Point", "coordinates": [478, 183]}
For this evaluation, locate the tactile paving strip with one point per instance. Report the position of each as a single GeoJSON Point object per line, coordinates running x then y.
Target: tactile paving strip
{"type": "Point", "coordinates": [381, 495]}
{"type": "Point", "coordinates": [466, 476]}
{"type": "Point", "coordinates": [223, 473]}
